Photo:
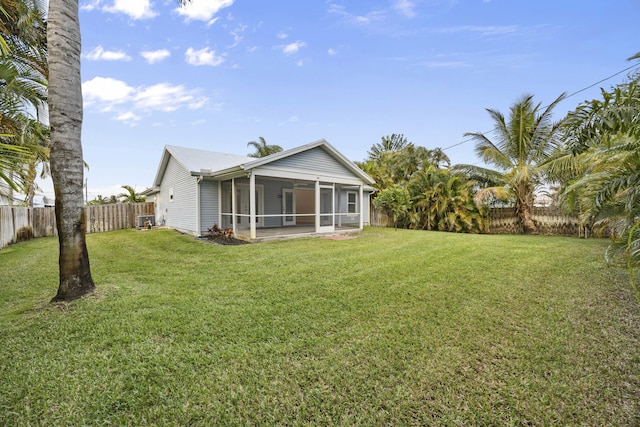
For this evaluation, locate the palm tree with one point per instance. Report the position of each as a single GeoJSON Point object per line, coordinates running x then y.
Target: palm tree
{"type": "Point", "coordinates": [99, 200]}
{"type": "Point", "coordinates": [262, 148]}
{"type": "Point", "coordinates": [67, 165]}
{"type": "Point", "coordinates": [131, 196]}
{"type": "Point", "coordinates": [443, 200]}
{"type": "Point", "coordinates": [389, 143]}
{"type": "Point", "coordinates": [23, 80]}
{"type": "Point", "coordinates": [605, 135]}
{"type": "Point", "coordinates": [523, 144]}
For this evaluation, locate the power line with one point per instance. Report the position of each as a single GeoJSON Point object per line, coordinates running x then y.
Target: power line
{"type": "Point", "coordinates": [603, 80]}
{"type": "Point", "coordinates": [566, 97]}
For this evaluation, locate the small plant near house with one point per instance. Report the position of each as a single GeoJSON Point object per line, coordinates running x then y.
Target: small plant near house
{"type": "Point", "coordinates": [223, 236]}
{"type": "Point", "coordinates": [216, 232]}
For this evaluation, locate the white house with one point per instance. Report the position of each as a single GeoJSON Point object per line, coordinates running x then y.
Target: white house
{"type": "Point", "coordinates": [305, 190]}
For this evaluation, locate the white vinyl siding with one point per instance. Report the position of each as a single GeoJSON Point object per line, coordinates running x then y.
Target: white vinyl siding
{"type": "Point", "coordinates": [365, 207]}
{"type": "Point", "coordinates": [180, 211]}
{"type": "Point", "coordinates": [208, 205]}
{"type": "Point", "coordinates": [315, 161]}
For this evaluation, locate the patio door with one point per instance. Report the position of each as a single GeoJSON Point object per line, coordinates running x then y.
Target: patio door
{"type": "Point", "coordinates": [242, 205]}
{"type": "Point", "coordinates": [326, 209]}
{"type": "Point", "coordinates": [288, 206]}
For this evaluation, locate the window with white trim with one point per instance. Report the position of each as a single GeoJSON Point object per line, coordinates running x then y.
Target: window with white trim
{"type": "Point", "coordinates": [352, 202]}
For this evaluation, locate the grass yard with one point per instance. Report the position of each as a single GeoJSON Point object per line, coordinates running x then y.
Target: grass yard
{"type": "Point", "coordinates": [391, 328]}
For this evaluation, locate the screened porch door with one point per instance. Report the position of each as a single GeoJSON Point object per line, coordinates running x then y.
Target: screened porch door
{"type": "Point", "coordinates": [326, 209]}
{"type": "Point", "coordinates": [242, 205]}
{"type": "Point", "coordinates": [288, 206]}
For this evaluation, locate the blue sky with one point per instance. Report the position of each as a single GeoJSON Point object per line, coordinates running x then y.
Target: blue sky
{"type": "Point", "coordinates": [220, 73]}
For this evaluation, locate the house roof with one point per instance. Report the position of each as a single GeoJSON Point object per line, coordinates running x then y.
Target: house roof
{"type": "Point", "coordinates": [210, 163]}
{"type": "Point", "coordinates": [254, 163]}
{"type": "Point", "coordinates": [197, 161]}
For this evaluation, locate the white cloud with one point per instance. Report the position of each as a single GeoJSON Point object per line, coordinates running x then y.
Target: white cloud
{"type": "Point", "coordinates": [282, 35]}
{"type": "Point", "coordinates": [130, 104]}
{"type": "Point", "coordinates": [203, 10]}
{"type": "Point", "coordinates": [165, 97]}
{"type": "Point", "coordinates": [483, 30]}
{"type": "Point", "coordinates": [90, 5]}
{"type": "Point", "coordinates": [153, 56]}
{"type": "Point", "coordinates": [291, 48]}
{"type": "Point", "coordinates": [332, 52]}
{"type": "Point", "coordinates": [135, 9]}
{"type": "Point", "coordinates": [237, 35]}
{"type": "Point", "coordinates": [106, 92]}
{"type": "Point", "coordinates": [405, 7]}
{"type": "Point", "coordinates": [292, 119]}
{"type": "Point", "coordinates": [203, 56]}
{"type": "Point", "coordinates": [373, 16]}
{"type": "Point", "coordinates": [99, 54]}
{"type": "Point", "coordinates": [128, 117]}
{"type": "Point", "coordinates": [445, 64]}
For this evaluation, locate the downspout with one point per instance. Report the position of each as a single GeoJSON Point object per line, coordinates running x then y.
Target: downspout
{"type": "Point", "coordinates": [220, 205]}
{"type": "Point", "coordinates": [233, 206]}
{"type": "Point", "coordinates": [198, 213]}
{"type": "Point", "coordinates": [252, 206]}
{"type": "Point", "coordinates": [361, 198]}
{"type": "Point", "coordinates": [317, 206]}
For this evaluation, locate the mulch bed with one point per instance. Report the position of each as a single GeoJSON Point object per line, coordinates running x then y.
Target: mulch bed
{"type": "Point", "coordinates": [219, 240]}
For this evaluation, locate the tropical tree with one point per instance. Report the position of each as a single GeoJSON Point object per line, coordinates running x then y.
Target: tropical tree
{"type": "Point", "coordinates": [394, 163]}
{"type": "Point", "coordinates": [67, 165]}
{"type": "Point", "coordinates": [524, 143]}
{"type": "Point", "coordinates": [389, 143]}
{"type": "Point", "coordinates": [130, 196]}
{"type": "Point", "coordinates": [99, 200]}
{"type": "Point", "coordinates": [395, 201]}
{"type": "Point", "coordinates": [417, 190]}
{"type": "Point", "coordinates": [443, 200]}
{"type": "Point", "coordinates": [262, 148]}
{"type": "Point", "coordinates": [23, 80]}
{"type": "Point", "coordinates": [604, 135]}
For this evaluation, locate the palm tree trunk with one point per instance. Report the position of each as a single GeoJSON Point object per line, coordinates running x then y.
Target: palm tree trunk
{"type": "Point", "coordinates": [67, 167]}
{"type": "Point", "coordinates": [523, 210]}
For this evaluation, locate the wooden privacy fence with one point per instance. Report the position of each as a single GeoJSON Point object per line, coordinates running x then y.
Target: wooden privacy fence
{"type": "Point", "coordinates": [19, 223]}
{"type": "Point", "coordinates": [549, 220]}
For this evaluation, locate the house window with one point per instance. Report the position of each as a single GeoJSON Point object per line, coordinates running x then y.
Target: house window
{"type": "Point", "coordinates": [171, 194]}
{"type": "Point", "coordinates": [352, 198]}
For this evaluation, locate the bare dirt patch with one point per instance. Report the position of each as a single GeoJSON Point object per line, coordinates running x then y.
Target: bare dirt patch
{"type": "Point", "coordinates": [340, 237]}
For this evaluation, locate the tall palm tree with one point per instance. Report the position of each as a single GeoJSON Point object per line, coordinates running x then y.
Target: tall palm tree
{"type": "Point", "coordinates": [67, 165]}
{"type": "Point", "coordinates": [389, 143]}
{"type": "Point", "coordinates": [130, 196]}
{"type": "Point", "coordinates": [523, 144]}
{"type": "Point", "coordinates": [262, 148]}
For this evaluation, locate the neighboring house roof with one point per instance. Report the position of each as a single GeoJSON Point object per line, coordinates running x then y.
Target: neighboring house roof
{"type": "Point", "coordinates": [212, 164]}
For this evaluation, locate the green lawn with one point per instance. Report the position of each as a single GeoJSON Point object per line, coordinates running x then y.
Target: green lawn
{"type": "Point", "coordinates": [391, 328]}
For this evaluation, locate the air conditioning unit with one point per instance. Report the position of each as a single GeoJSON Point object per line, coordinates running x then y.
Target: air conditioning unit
{"type": "Point", "coordinates": [146, 221]}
